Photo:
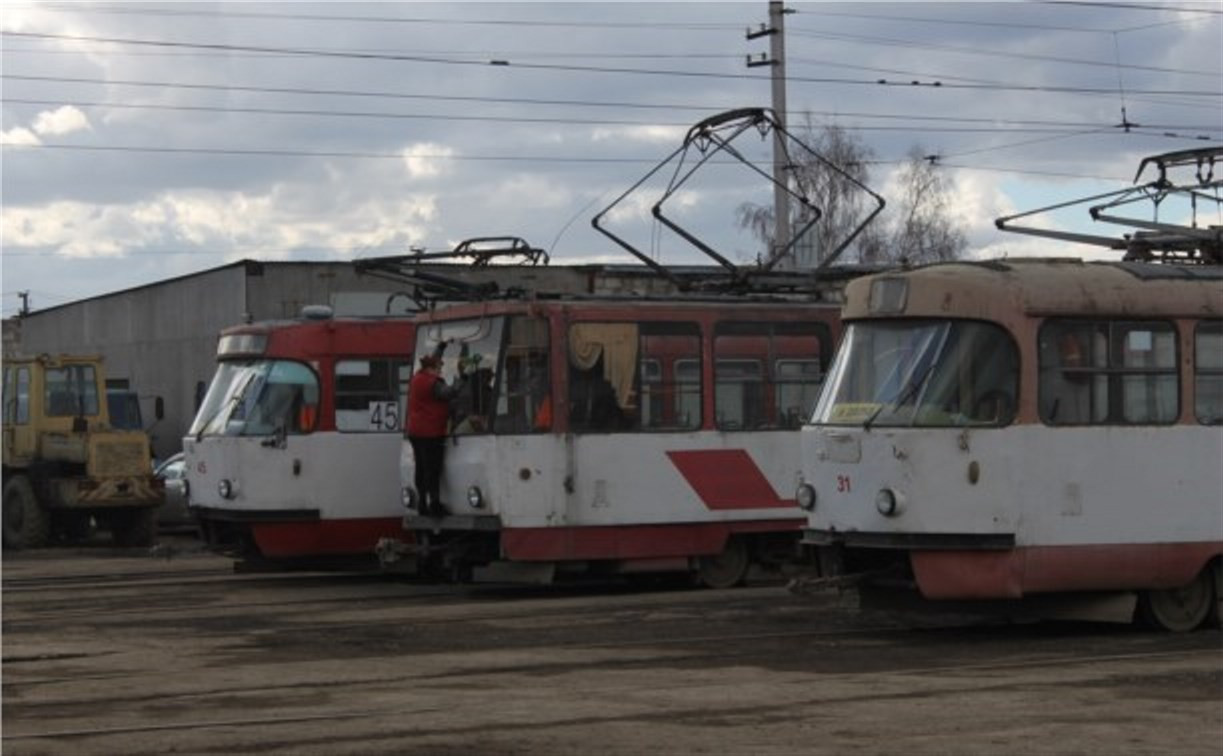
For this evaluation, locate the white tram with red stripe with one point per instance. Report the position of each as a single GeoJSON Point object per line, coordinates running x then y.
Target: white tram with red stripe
{"type": "Point", "coordinates": [294, 452]}
{"type": "Point", "coordinates": [620, 436]}
{"type": "Point", "coordinates": [1022, 428]}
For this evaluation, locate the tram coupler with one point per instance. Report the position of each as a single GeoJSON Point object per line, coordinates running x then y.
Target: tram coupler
{"type": "Point", "coordinates": [806, 585]}
{"type": "Point", "coordinates": [396, 556]}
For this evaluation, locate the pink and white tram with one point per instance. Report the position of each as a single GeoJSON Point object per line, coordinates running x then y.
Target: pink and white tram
{"type": "Point", "coordinates": [629, 436]}
{"type": "Point", "coordinates": [294, 452]}
{"type": "Point", "coordinates": [1023, 428]}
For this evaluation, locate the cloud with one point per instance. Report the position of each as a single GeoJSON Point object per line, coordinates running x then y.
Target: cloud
{"type": "Point", "coordinates": [19, 136]}
{"type": "Point", "coordinates": [1014, 245]}
{"type": "Point", "coordinates": [63, 120]}
{"type": "Point", "coordinates": [226, 225]}
{"type": "Point", "coordinates": [668, 135]}
{"type": "Point", "coordinates": [529, 190]}
{"type": "Point", "coordinates": [425, 159]}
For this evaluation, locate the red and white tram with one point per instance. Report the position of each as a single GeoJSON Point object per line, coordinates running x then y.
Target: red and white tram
{"type": "Point", "coordinates": [294, 452]}
{"type": "Point", "coordinates": [1020, 428]}
{"type": "Point", "coordinates": [620, 436]}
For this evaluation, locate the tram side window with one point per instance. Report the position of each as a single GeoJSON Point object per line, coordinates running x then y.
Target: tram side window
{"type": "Point", "coordinates": [603, 385]}
{"type": "Point", "coordinates": [797, 389]}
{"type": "Point", "coordinates": [370, 395]}
{"type": "Point", "coordinates": [71, 391]}
{"type": "Point", "coordinates": [738, 394]}
{"type": "Point", "coordinates": [671, 394]}
{"type": "Point", "coordinates": [624, 376]}
{"type": "Point", "coordinates": [1107, 372]}
{"type": "Point", "coordinates": [1208, 376]}
{"type": "Point", "coordinates": [525, 401]}
{"type": "Point", "coordinates": [766, 375]}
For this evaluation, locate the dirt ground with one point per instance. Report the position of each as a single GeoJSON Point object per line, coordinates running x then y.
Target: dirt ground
{"type": "Point", "coordinates": [108, 652]}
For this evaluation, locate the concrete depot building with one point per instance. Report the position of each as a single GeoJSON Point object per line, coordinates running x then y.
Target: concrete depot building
{"type": "Point", "coordinates": [160, 339]}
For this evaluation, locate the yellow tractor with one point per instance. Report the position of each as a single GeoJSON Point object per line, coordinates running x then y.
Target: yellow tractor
{"type": "Point", "coordinates": [65, 465]}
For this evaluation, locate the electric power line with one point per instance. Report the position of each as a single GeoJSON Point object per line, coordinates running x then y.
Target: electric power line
{"type": "Point", "coordinates": [890, 42]}
{"type": "Point", "coordinates": [998, 127]}
{"type": "Point", "coordinates": [610, 69]}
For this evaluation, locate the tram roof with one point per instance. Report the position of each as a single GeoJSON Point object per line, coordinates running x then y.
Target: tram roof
{"type": "Point", "coordinates": [628, 306]}
{"type": "Point", "coordinates": [1045, 286]}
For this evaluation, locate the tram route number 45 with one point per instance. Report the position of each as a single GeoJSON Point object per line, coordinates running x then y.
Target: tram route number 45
{"type": "Point", "coordinates": [384, 416]}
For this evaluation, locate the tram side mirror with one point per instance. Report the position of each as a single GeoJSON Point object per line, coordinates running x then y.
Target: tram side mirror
{"type": "Point", "coordinates": [159, 408]}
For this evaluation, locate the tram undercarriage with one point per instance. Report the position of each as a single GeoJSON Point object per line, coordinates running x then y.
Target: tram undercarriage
{"type": "Point", "coordinates": [885, 579]}
{"type": "Point", "coordinates": [464, 548]}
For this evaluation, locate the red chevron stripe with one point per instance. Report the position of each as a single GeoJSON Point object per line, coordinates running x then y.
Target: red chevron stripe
{"type": "Point", "coordinates": [727, 479]}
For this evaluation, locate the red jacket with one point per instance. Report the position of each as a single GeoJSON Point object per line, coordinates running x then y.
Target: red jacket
{"type": "Point", "coordinates": [427, 414]}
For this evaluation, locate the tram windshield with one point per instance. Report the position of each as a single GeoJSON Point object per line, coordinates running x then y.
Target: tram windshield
{"type": "Point", "coordinates": [903, 373]}
{"type": "Point", "coordinates": [505, 361]}
{"type": "Point", "coordinates": [258, 398]}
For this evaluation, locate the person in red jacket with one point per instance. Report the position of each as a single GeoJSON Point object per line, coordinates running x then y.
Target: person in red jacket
{"type": "Point", "coordinates": [428, 416]}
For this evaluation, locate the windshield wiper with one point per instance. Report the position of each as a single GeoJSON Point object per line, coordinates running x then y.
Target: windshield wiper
{"type": "Point", "coordinates": [227, 406]}
{"type": "Point", "coordinates": [911, 387]}
{"type": "Point", "coordinates": [908, 392]}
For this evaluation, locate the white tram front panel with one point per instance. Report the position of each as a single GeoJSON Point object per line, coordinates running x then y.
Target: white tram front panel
{"type": "Point", "coordinates": [333, 476]}
{"type": "Point", "coordinates": [297, 454]}
{"type": "Point", "coordinates": [1004, 512]}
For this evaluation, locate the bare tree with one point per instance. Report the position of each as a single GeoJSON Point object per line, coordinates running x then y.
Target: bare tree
{"type": "Point", "coordinates": [916, 225]}
{"type": "Point", "coordinates": [924, 230]}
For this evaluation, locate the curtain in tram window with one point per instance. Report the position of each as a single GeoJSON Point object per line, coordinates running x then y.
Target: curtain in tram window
{"type": "Point", "coordinates": [617, 344]}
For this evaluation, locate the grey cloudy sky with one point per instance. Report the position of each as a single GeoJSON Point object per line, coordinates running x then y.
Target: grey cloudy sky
{"type": "Point", "coordinates": [151, 140]}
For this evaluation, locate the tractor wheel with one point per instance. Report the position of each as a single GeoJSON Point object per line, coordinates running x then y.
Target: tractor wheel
{"type": "Point", "coordinates": [26, 524]}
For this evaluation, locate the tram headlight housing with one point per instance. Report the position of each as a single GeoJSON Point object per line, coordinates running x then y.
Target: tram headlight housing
{"type": "Point", "coordinates": [806, 496]}
{"type": "Point", "coordinates": [475, 497]}
{"type": "Point", "coordinates": [887, 503]}
{"type": "Point", "coordinates": [411, 499]}
{"type": "Point", "coordinates": [225, 489]}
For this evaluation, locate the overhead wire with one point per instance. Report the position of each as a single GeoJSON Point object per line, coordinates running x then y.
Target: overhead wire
{"type": "Point", "coordinates": [998, 125]}
{"type": "Point", "coordinates": [891, 42]}
{"type": "Point", "coordinates": [610, 69]}
{"type": "Point", "coordinates": [707, 108]}
{"type": "Point", "coordinates": [431, 20]}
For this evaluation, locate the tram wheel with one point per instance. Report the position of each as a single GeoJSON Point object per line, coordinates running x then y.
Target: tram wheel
{"type": "Point", "coordinates": [1180, 610]}
{"type": "Point", "coordinates": [727, 569]}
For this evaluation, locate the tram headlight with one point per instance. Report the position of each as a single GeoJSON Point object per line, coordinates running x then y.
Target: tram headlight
{"type": "Point", "coordinates": [886, 503]}
{"type": "Point", "coordinates": [225, 489]}
{"type": "Point", "coordinates": [475, 497]}
{"type": "Point", "coordinates": [409, 497]}
{"type": "Point", "coordinates": [806, 496]}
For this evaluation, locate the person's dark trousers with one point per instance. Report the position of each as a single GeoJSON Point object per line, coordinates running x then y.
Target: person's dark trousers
{"type": "Point", "coordinates": [430, 453]}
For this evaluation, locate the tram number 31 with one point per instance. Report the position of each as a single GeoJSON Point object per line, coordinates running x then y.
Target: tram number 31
{"type": "Point", "coordinates": [384, 416]}
{"type": "Point", "coordinates": [843, 484]}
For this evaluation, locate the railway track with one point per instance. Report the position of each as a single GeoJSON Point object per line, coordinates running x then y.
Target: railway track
{"type": "Point", "coordinates": [201, 660]}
